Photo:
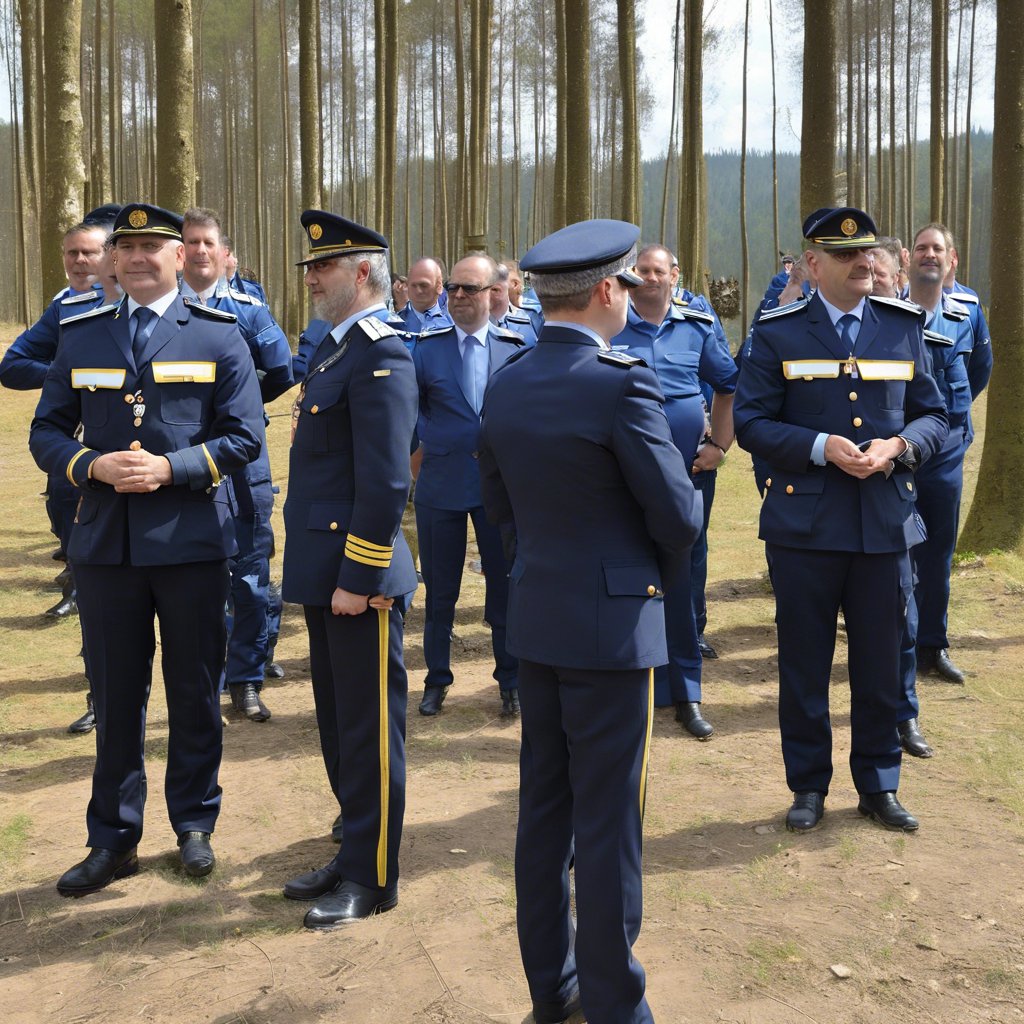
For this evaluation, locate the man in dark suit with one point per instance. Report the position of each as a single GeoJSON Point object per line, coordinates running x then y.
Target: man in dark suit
{"type": "Point", "coordinates": [347, 563]}
{"type": "Point", "coordinates": [453, 365]}
{"type": "Point", "coordinates": [167, 396]}
{"type": "Point", "coordinates": [834, 393]}
{"type": "Point", "coordinates": [580, 471]}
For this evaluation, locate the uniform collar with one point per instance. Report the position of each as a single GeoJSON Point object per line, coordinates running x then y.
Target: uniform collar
{"type": "Point", "coordinates": [339, 332]}
{"type": "Point", "coordinates": [160, 306]}
{"type": "Point", "coordinates": [834, 313]}
{"type": "Point", "coordinates": [578, 327]}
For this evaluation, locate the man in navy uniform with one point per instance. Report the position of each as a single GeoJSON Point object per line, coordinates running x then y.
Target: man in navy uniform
{"type": "Point", "coordinates": [580, 471]}
{"type": "Point", "coordinates": [453, 366]}
{"type": "Point", "coordinates": [347, 563]}
{"type": "Point", "coordinates": [679, 343]}
{"type": "Point", "coordinates": [834, 394]}
{"type": "Point", "coordinates": [203, 281]}
{"type": "Point", "coordinates": [168, 399]}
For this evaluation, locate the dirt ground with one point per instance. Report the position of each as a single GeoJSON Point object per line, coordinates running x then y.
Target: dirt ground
{"type": "Point", "coordinates": [743, 923]}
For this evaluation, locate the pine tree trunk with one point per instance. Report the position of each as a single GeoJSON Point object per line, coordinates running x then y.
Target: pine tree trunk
{"type": "Point", "coordinates": [310, 197]}
{"type": "Point", "coordinates": [937, 139]}
{"type": "Point", "coordinates": [692, 235]}
{"type": "Point", "coordinates": [578, 156]}
{"type": "Point", "coordinates": [818, 131]}
{"type": "Point", "coordinates": [632, 190]}
{"type": "Point", "coordinates": [744, 244]}
{"type": "Point", "coordinates": [175, 152]}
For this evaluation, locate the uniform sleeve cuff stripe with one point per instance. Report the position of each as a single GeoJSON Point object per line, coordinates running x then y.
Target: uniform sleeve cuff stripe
{"type": "Point", "coordinates": [71, 465]}
{"type": "Point", "coordinates": [214, 471]}
{"type": "Point", "coordinates": [368, 545]}
{"type": "Point", "coordinates": [377, 563]}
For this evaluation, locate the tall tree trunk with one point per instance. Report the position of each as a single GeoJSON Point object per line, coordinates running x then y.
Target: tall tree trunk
{"type": "Point", "coordinates": [910, 169]}
{"type": "Point", "coordinates": [461, 156]}
{"type": "Point", "coordinates": [475, 222]}
{"type": "Point", "coordinates": [670, 150]}
{"type": "Point", "coordinates": [65, 172]}
{"type": "Point", "coordinates": [100, 173]}
{"type": "Point", "coordinates": [745, 251]}
{"type": "Point", "coordinates": [578, 156]}
{"type": "Point", "coordinates": [310, 197]}
{"type": "Point", "coordinates": [175, 152]}
{"type": "Point", "coordinates": [964, 242]}
{"type": "Point", "coordinates": [775, 153]}
{"type": "Point", "coordinates": [114, 118]}
{"type": "Point", "coordinates": [953, 151]}
{"type": "Point", "coordinates": [692, 233]}
{"type": "Point", "coordinates": [818, 131]}
{"type": "Point", "coordinates": [256, 249]}
{"type": "Point", "coordinates": [386, 206]}
{"type": "Point", "coordinates": [31, 108]}
{"type": "Point", "coordinates": [852, 181]}
{"type": "Point", "coordinates": [288, 319]}
{"type": "Point", "coordinates": [996, 520]}
{"type": "Point", "coordinates": [559, 188]}
{"type": "Point", "coordinates": [893, 187]}
{"type": "Point", "coordinates": [632, 188]}
{"type": "Point", "coordinates": [937, 138]}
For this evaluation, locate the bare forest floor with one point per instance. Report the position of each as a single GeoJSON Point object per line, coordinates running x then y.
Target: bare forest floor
{"type": "Point", "coordinates": [743, 921]}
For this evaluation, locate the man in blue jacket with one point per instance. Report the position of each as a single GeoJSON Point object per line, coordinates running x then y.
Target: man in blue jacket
{"type": "Point", "coordinates": [169, 404]}
{"type": "Point", "coordinates": [834, 394]}
{"type": "Point", "coordinates": [596, 503]}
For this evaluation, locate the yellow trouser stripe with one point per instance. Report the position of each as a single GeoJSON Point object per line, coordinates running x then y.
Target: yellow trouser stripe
{"type": "Point", "coordinates": [647, 741]}
{"type": "Point", "coordinates": [71, 465]}
{"type": "Point", "coordinates": [370, 546]}
{"type": "Point", "coordinates": [385, 749]}
{"type": "Point", "coordinates": [356, 556]}
{"type": "Point", "coordinates": [214, 471]}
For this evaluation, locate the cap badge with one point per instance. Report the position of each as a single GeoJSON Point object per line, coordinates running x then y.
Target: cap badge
{"type": "Point", "coordinates": [848, 227]}
{"type": "Point", "coordinates": [315, 232]}
{"type": "Point", "coordinates": [138, 218]}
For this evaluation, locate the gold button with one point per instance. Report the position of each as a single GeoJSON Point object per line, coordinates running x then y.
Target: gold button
{"type": "Point", "coordinates": [129, 399]}
{"type": "Point", "coordinates": [857, 421]}
{"type": "Point", "coordinates": [789, 488]}
{"type": "Point", "coordinates": [652, 590]}
{"type": "Point", "coordinates": [138, 421]}
{"type": "Point", "coordinates": [334, 526]}
{"type": "Point", "coordinates": [315, 409]}
{"type": "Point", "coordinates": [135, 445]}
{"type": "Point", "coordinates": [853, 396]}
{"type": "Point", "coordinates": [768, 482]}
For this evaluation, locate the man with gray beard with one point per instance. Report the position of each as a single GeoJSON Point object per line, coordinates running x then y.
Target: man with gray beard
{"type": "Point", "coordinates": [347, 563]}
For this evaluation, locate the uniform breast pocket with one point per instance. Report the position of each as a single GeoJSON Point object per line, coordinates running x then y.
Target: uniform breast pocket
{"type": "Point", "coordinates": [184, 403]}
{"type": "Point", "coordinates": [323, 422]}
{"type": "Point", "coordinates": [95, 407]}
{"type": "Point", "coordinates": [893, 395]}
{"type": "Point", "coordinates": [677, 371]}
{"type": "Point", "coordinates": [805, 397]}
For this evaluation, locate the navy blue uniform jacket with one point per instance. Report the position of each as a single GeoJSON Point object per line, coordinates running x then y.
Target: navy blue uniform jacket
{"type": "Point", "coordinates": [202, 411]}
{"type": "Point", "coordinates": [349, 473]}
{"type": "Point", "coordinates": [794, 385]}
{"type": "Point", "coordinates": [577, 453]}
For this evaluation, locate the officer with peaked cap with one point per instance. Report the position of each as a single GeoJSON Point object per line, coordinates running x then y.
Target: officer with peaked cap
{"type": "Point", "coordinates": [580, 472]}
{"type": "Point", "coordinates": [347, 563]}
{"type": "Point", "coordinates": [834, 394]}
{"type": "Point", "coordinates": [167, 396]}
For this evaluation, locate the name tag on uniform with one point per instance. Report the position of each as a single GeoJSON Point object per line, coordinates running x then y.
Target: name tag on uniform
{"type": "Point", "coordinates": [97, 378]}
{"type": "Point", "coordinates": [382, 373]}
{"type": "Point", "coordinates": [886, 369]}
{"type": "Point", "coordinates": [809, 369]}
{"type": "Point", "coordinates": [184, 373]}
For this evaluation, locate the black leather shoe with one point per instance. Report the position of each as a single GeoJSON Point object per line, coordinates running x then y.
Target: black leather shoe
{"type": "Point", "coordinates": [64, 581]}
{"type": "Point", "coordinates": [937, 660]}
{"type": "Point", "coordinates": [350, 901]}
{"type": "Point", "coordinates": [338, 829]}
{"type": "Point", "coordinates": [688, 712]}
{"type": "Point", "coordinates": [510, 703]}
{"type": "Point", "coordinates": [59, 555]}
{"type": "Point", "coordinates": [88, 721]}
{"type": "Point", "coordinates": [912, 739]}
{"type": "Point", "coordinates": [706, 650]}
{"type": "Point", "coordinates": [65, 607]}
{"type": "Point", "coordinates": [888, 811]}
{"type": "Point", "coordinates": [196, 853]}
{"type": "Point", "coordinates": [556, 1013]}
{"type": "Point", "coordinates": [806, 812]}
{"type": "Point", "coordinates": [433, 698]}
{"type": "Point", "coordinates": [97, 871]}
{"type": "Point", "coordinates": [313, 884]}
{"type": "Point", "coordinates": [272, 670]}
{"type": "Point", "coordinates": [246, 699]}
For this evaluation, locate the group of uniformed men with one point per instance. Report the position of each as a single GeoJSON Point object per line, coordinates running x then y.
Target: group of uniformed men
{"type": "Point", "coordinates": [609, 405]}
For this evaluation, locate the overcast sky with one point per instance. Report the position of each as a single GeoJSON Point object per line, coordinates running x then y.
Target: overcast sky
{"type": "Point", "coordinates": [723, 76]}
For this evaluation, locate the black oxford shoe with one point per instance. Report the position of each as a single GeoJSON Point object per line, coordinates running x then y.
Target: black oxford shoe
{"type": "Point", "coordinates": [246, 699]}
{"type": "Point", "coordinates": [706, 650]}
{"type": "Point", "coordinates": [313, 884]}
{"type": "Point", "coordinates": [272, 670]}
{"type": "Point", "coordinates": [887, 811]}
{"type": "Point", "coordinates": [338, 829]}
{"type": "Point", "coordinates": [557, 1012]}
{"type": "Point", "coordinates": [510, 703]}
{"type": "Point", "coordinates": [196, 853]}
{"type": "Point", "coordinates": [97, 871]}
{"type": "Point", "coordinates": [912, 739]}
{"type": "Point", "coordinates": [64, 608]}
{"type": "Point", "coordinates": [433, 698]}
{"type": "Point", "coordinates": [88, 721]}
{"type": "Point", "coordinates": [936, 660]}
{"type": "Point", "coordinates": [806, 812]}
{"type": "Point", "coordinates": [688, 713]}
{"type": "Point", "coordinates": [350, 901]}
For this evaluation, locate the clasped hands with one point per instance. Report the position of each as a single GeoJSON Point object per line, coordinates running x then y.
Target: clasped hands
{"type": "Point", "coordinates": [876, 458]}
{"type": "Point", "coordinates": [132, 472]}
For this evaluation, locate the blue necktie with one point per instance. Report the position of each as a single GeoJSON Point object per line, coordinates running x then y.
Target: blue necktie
{"type": "Point", "coordinates": [849, 328]}
{"type": "Point", "coordinates": [145, 320]}
{"type": "Point", "coordinates": [474, 371]}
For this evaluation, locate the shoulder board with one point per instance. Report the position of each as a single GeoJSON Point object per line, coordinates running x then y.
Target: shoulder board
{"type": "Point", "coordinates": [694, 314]}
{"type": "Point", "coordinates": [938, 339]}
{"type": "Point", "coordinates": [376, 329]}
{"type": "Point", "coordinates": [508, 335]}
{"type": "Point", "coordinates": [430, 332]}
{"type": "Point", "coordinates": [903, 304]}
{"type": "Point", "coordinates": [955, 312]}
{"type": "Point", "coordinates": [518, 318]}
{"type": "Point", "coordinates": [210, 312]}
{"type": "Point", "coordinates": [244, 297]}
{"type": "Point", "coordinates": [619, 359]}
{"type": "Point", "coordinates": [71, 300]}
{"type": "Point", "coordinates": [790, 307]}
{"type": "Point", "coordinates": [98, 311]}
{"type": "Point", "coordinates": [963, 297]}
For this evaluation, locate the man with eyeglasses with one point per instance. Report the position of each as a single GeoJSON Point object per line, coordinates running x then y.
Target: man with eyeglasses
{"type": "Point", "coordinates": [453, 365]}
{"type": "Point", "coordinates": [834, 393]}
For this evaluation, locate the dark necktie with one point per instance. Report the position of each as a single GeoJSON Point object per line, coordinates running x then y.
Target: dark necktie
{"type": "Point", "coordinates": [145, 321]}
{"type": "Point", "coordinates": [848, 331]}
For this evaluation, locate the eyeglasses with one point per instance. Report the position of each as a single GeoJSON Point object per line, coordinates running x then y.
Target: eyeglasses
{"type": "Point", "coordinates": [845, 255]}
{"type": "Point", "coordinates": [451, 287]}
